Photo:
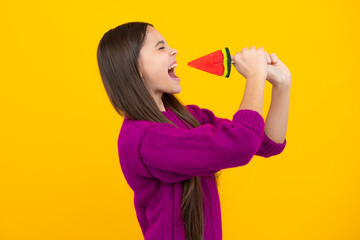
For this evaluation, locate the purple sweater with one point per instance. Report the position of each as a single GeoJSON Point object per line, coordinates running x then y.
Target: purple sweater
{"type": "Point", "coordinates": [156, 157]}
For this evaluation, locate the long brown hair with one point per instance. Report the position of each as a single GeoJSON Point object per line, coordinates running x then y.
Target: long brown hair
{"type": "Point", "coordinates": [117, 57]}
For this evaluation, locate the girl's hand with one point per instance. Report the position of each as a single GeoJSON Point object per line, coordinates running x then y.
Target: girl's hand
{"type": "Point", "coordinates": [251, 62]}
{"type": "Point", "coordinates": [278, 74]}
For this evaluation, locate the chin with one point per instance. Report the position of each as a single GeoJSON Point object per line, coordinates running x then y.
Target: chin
{"type": "Point", "coordinates": [175, 90]}
{"type": "Point", "coordinates": [179, 89]}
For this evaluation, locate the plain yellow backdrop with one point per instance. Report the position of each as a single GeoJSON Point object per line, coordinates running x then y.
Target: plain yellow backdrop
{"type": "Point", "coordinates": [60, 176]}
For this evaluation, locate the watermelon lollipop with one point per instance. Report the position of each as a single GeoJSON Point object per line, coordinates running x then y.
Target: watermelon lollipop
{"type": "Point", "coordinates": [218, 63]}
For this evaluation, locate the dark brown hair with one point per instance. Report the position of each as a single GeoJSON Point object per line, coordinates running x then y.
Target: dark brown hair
{"type": "Point", "coordinates": [117, 57]}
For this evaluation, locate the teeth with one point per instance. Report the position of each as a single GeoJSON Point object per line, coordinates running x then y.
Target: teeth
{"type": "Point", "coordinates": [173, 66]}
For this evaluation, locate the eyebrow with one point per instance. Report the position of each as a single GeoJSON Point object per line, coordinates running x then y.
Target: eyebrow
{"type": "Point", "coordinates": [160, 42]}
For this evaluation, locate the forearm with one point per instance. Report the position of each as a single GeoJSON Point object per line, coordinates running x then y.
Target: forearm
{"type": "Point", "coordinates": [253, 95]}
{"type": "Point", "coordinates": [277, 117]}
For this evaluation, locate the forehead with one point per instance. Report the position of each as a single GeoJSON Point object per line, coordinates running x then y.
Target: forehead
{"type": "Point", "coordinates": [152, 37]}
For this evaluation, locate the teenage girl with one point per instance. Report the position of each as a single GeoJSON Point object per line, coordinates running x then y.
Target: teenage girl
{"type": "Point", "coordinates": [169, 153]}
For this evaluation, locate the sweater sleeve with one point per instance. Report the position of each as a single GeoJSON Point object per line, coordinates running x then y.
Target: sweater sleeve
{"type": "Point", "coordinates": [267, 148]}
{"type": "Point", "coordinates": [174, 155]}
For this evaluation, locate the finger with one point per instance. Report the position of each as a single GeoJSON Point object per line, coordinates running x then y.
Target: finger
{"type": "Point", "coordinates": [274, 58]}
{"type": "Point", "coordinates": [232, 59]}
{"type": "Point", "coordinates": [268, 59]}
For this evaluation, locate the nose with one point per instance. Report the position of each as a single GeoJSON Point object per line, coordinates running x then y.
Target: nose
{"type": "Point", "coordinates": [173, 51]}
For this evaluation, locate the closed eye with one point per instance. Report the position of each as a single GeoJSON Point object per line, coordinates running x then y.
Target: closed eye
{"type": "Point", "coordinates": [161, 48]}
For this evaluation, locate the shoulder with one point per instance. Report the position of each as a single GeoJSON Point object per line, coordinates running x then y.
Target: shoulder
{"type": "Point", "coordinates": [131, 136]}
{"type": "Point", "coordinates": [135, 127]}
{"type": "Point", "coordinates": [132, 131]}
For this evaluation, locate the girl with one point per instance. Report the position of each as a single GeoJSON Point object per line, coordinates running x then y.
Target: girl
{"type": "Point", "coordinates": [169, 153]}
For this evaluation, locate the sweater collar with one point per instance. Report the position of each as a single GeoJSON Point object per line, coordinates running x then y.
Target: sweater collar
{"type": "Point", "coordinates": [167, 110]}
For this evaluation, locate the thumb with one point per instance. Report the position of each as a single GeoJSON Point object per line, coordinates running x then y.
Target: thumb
{"type": "Point", "coordinates": [274, 58]}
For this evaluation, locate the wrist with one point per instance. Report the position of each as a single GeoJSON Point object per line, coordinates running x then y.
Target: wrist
{"type": "Point", "coordinates": [256, 77]}
{"type": "Point", "coordinates": [282, 85]}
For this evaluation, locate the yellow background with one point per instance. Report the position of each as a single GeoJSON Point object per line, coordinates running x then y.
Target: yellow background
{"type": "Point", "coordinates": [60, 176]}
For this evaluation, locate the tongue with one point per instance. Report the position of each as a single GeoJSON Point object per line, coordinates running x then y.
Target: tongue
{"type": "Point", "coordinates": [172, 74]}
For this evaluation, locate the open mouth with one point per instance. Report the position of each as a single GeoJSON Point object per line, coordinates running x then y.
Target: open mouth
{"type": "Point", "coordinates": [172, 73]}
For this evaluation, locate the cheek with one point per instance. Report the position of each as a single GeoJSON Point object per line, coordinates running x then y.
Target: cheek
{"type": "Point", "coordinates": [157, 76]}
{"type": "Point", "coordinates": [155, 70]}
{"type": "Point", "coordinates": [158, 72]}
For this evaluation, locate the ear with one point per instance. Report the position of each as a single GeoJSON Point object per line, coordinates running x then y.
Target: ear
{"type": "Point", "coordinates": [142, 76]}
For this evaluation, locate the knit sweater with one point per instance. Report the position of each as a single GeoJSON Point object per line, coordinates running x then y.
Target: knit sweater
{"type": "Point", "coordinates": [156, 157]}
